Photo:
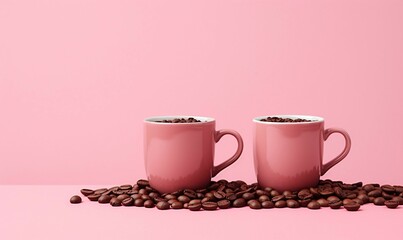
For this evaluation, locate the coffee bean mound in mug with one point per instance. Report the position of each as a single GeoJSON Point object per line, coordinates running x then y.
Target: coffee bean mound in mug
{"type": "Point", "coordinates": [180, 120]}
{"type": "Point", "coordinates": [279, 119]}
{"type": "Point", "coordinates": [225, 194]}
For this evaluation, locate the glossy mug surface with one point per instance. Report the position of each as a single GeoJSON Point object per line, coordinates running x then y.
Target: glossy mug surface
{"type": "Point", "coordinates": [181, 155]}
{"type": "Point", "coordinates": [289, 155]}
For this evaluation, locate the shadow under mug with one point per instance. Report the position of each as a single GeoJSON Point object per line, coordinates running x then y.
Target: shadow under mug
{"type": "Point", "coordinates": [289, 155]}
{"type": "Point", "coordinates": [181, 155]}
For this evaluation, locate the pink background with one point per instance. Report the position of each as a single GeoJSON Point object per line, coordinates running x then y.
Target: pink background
{"type": "Point", "coordinates": [78, 77]}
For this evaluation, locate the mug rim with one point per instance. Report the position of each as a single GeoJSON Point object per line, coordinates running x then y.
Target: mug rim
{"type": "Point", "coordinates": [153, 119]}
{"type": "Point", "coordinates": [314, 119]}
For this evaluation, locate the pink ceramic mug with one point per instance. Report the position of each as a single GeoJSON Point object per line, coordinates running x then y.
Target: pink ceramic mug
{"type": "Point", "coordinates": [288, 155]}
{"type": "Point", "coordinates": [181, 155]}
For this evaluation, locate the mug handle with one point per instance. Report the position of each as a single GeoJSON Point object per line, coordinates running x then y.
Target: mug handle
{"type": "Point", "coordinates": [218, 135]}
{"type": "Point", "coordinates": [342, 155]}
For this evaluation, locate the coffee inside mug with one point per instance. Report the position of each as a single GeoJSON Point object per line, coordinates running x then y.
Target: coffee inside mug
{"type": "Point", "coordinates": [288, 119]}
{"type": "Point", "coordinates": [161, 119]}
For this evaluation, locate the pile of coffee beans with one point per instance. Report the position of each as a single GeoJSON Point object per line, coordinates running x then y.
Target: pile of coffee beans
{"type": "Point", "coordinates": [180, 120]}
{"type": "Point", "coordinates": [225, 194]}
{"type": "Point", "coordinates": [279, 119]}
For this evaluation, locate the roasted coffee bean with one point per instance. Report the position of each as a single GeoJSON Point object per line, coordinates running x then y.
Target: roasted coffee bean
{"type": "Point", "coordinates": [368, 187]}
{"type": "Point", "coordinates": [125, 187]}
{"type": "Point", "coordinates": [254, 204]}
{"type": "Point", "coordinates": [149, 204]}
{"type": "Point", "coordinates": [315, 192]}
{"type": "Point", "coordinates": [104, 199]}
{"type": "Point", "coordinates": [194, 201]}
{"type": "Point", "coordinates": [209, 195]}
{"type": "Point", "coordinates": [313, 205]}
{"type": "Point", "coordinates": [332, 199]}
{"type": "Point", "coordinates": [248, 196]}
{"type": "Point", "coordinates": [143, 191]}
{"type": "Point", "coordinates": [387, 196]}
{"type": "Point", "coordinates": [375, 193]}
{"type": "Point", "coordinates": [219, 195]}
{"type": "Point", "coordinates": [289, 195]}
{"type": "Point", "coordinates": [359, 201]}
{"type": "Point", "coordinates": [280, 204]}
{"type": "Point", "coordinates": [398, 199]}
{"type": "Point", "coordinates": [351, 196]}
{"type": "Point", "coordinates": [353, 206]}
{"type": "Point", "coordinates": [170, 201]}
{"type": "Point", "coordinates": [357, 184]}
{"type": "Point", "coordinates": [326, 192]}
{"type": "Point", "coordinates": [100, 191]}
{"type": "Point", "coordinates": [239, 202]}
{"type": "Point", "coordinates": [183, 199]}
{"type": "Point", "coordinates": [209, 206]}
{"type": "Point", "coordinates": [136, 196]}
{"type": "Point", "coordinates": [398, 189]}
{"type": "Point", "coordinates": [391, 204]}
{"type": "Point", "coordinates": [335, 205]}
{"type": "Point", "coordinates": [185, 205]}
{"type": "Point", "coordinates": [274, 193]}
{"type": "Point", "coordinates": [347, 201]}
{"type": "Point", "coordinates": [177, 205]}
{"type": "Point", "coordinates": [153, 194]}
{"type": "Point", "coordinates": [364, 198]}
{"type": "Point", "coordinates": [224, 204]}
{"type": "Point", "coordinates": [170, 196]}
{"type": "Point", "coordinates": [93, 197]}
{"type": "Point", "coordinates": [75, 199]}
{"type": "Point", "coordinates": [348, 187]}
{"type": "Point", "coordinates": [206, 199]}
{"type": "Point", "coordinates": [231, 197]}
{"type": "Point", "coordinates": [278, 198]}
{"type": "Point", "coordinates": [128, 202]}
{"type": "Point", "coordinates": [305, 194]}
{"type": "Point", "coordinates": [86, 192]}
{"type": "Point", "coordinates": [323, 202]}
{"type": "Point", "coordinates": [339, 192]}
{"type": "Point", "coordinates": [268, 189]}
{"type": "Point", "coordinates": [145, 197]}
{"type": "Point", "coordinates": [122, 197]}
{"type": "Point", "coordinates": [291, 203]}
{"type": "Point", "coordinates": [264, 198]}
{"type": "Point", "coordinates": [115, 202]}
{"type": "Point", "coordinates": [163, 205]}
{"type": "Point", "coordinates": [379, 201]}
{"type": "Point", "coordinates": [143, 183]}
{"type": "Point", "coordinates": [388, 188]}
{"type": "Point", "coordinates": [261, 192]}
{"type": "Point", "coordinates": [213, 186]}
{"type": "Point", "coordinates": [267, 204]}
{"type": "Point", "coordinates": [199, 195]}
{"type": "Point", "coordinates": [139, 202]}
{"type": "Point", "coordinates": [195, 207]}
{"type": "Point", "coordinates": [190, 193]}
{"type": "Point", "coordinates": [304, 202]}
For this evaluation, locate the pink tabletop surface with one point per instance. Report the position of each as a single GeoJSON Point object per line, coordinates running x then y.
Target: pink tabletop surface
{"type": "Point", "coordinates": [44, 212]}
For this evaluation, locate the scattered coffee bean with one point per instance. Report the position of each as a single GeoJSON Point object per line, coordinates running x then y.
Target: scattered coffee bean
{"type": "Point", "coordinates": [254, 204]}
{"type": "Point", "coordinates": [104, 199]}
{"type": "Point", "coordinates": [224, 204]}
{"type": "Point", "coordinates": [391, 204]}
{"type": "Point", "coordinates": [353, 206]}
{"type": "Point", "coordinates": [195, 206]}
{"type": "Point", "coordinates": [224, 194]}
{"type": "Point", "coordinates": [115, 202]}
{"type": "Point", "coordinates": [75, 199]}
{"type": "Point", "coordinates": [280, 204]}
{"type": "Point", "coordinates": [163, 205]}
{"type": "Point", "coordinates": [379, 201]}
{"type": "Point", "coordinates": [149, 204]}
{"type": "Point", "coordinates": [128, 202]}
{"type": "Point", "coordinates": [177, 205]}
{"type": "Point", "coordinates": [209, 206]}
{"type": "Point", "coordinates": [86, 192]}
{"type": "Point", "coordinates": [291, 203]}
{"type": "Point", "coordinates": [239, 202]}
{"type": "Point", "coordinates": [313, 205]}
{"type": "Point", "coordinates": [267, 204]}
